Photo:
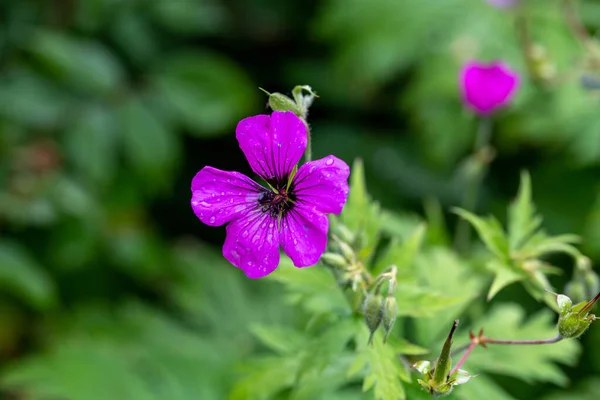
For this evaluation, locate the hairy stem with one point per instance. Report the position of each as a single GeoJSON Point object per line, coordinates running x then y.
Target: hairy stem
{"type": "Point", "coordinates": [482, 340]}
{"type": "Point", "coordinates": [481, 158]}
{"type": "Point", "coordinates": [555, 339]}
{"type": "Point", "coordinates": [462, 360]}
{"type": "Point", "coordinates": [308, 151]}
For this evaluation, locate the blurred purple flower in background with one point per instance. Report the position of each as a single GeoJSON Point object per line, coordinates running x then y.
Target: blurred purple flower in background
{"type": "Point", "coordinates": [290, 212]}
{"type": "Point", "coordinates": [487, 87]}
{"type": "Point", "coordinates": [502, 3]}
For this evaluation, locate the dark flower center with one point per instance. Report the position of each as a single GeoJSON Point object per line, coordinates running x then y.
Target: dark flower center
{"type": "Point", "coordinates": [277, 202]}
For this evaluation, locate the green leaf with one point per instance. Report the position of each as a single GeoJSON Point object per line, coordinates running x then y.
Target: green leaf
{"type": "Point", "coordinates": [190, 17]}
{"type": "Point", "coordinates": [383, 371]}
{"type": "Point", "coordinates": [504, 276]}
{"type": "Point", "coordinates": [442, 271]}
{"type": "Point", "coordinates": [84, 64]}
{"type": "Point", "coordinates": [264, 377]}
{"type": "Point", "coordinates": [23, 277]}
{"type": "Point", "coordinates": [522, 221]}
{"type": "Point", "coordinates": [151, 149]}
{"type": "Point", "coordinates": [584, 390]}
{"type": "Point", "coordinates": [422, 301]}
{"type": "Point", "coordinates": [91, 145]}
{"type": "Point", "coordinates": [360, 214]}
{"type": "Point", "coordinates": [206, 92]}
{"type": "Point", "coordinates": [490, 231]}
{"type": "Point", "coordinates": [282, 340]}
{"type": "Point", "coordinates": [402, 255]}
{"type": "Point", "coordinates": [534, 363]}
{"type": "Point", "coordinates": [314, 289]}
{"type": "Point", "coordinates": [31, 100]}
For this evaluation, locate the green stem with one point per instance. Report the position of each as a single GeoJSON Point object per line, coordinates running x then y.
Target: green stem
{"type": "Point", "coordinates": [308, 152]}
{"type": "Point", "coordinates": [555, 339]}
{"type": "Point", "coordinates": [481, 160]}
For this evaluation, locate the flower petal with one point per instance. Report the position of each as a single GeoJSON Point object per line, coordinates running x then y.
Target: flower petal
{"type": "Point", "coordinates": [322, 183]}
{"type": "Point", "coordinates": [303, 235]}
{"type": "Point", "coordinates": [252, 244]}
{"type": "Point", "coordinates": [272, 144]}
{"type": "Point", "coordinates": [221, 196]}
{"type": "Point", "coordinates": [487, 87]}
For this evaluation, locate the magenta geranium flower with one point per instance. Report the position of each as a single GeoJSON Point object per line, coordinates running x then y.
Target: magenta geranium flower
{"type": "Point", "coordinates": [487, 87]}
{"type": "Point", "coordinates": [289, 212]}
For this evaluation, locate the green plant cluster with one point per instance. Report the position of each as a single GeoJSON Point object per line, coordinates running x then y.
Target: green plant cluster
{"type": "Point", "coordinates": [111, 289]}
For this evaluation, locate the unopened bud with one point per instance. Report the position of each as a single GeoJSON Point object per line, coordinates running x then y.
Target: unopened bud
{"type": "Point", "coordinates": [343, 233]}
{"type": "Point", "coordinates": [373, 313]}
{"type": "Point", "coordinates": [347, 251]}
{"type": "Point", "coordinates": [334, 260]}
{"type": "Point", "coordinates": [439, 380]}
{"type": "Point", "coordinates": [280, 102]}
{"type": "Point", "coordinates": [574, 320]}
{"type": "Point", "coordinates": [390, 311]}
{"type": "Point", "coordinates": [443, 365]}
{"type": "Point", "coordinates": [359, 240]}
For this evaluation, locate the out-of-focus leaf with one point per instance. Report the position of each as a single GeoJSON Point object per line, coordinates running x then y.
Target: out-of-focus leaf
{"type": "Point", "coordinates": [190, 16]}
{"type": "Point", "coordinates": [490, 231]}
{"type": "Point", "coordinates": [446, 274]}
{"type": "Point", "coordinates": [361, 215]}
{"type": "Point", "coordinates": [150, 147]}
{"type": "Point", "coordinates": [535, 363]}
{"type": "Point", "coordinates": [84, 64]}
{"type": "Point", "coordinates": [137, 252]}
{"type": "Point", "coordinates": [314, 289]}
{"type": "Point", "coordinates": [127, 349]}
{"type": "Point", "coordinates": [383, 372]}
{"type": "Point", "coordinates": [31, 100]}
{"type": "Point", "coordinates": [280, 339]}
{"type": "Point", "coordinates": [402, 254]}
{"type": "Point", "coordinates": [74, 244]}
{"type": "Point", "coordinates": [207, 92]}
{"type": "Point", "coordinates": [591, 234]}
{"type": "Point", "coordinates": [135, 36]}
{"type": "Point", "coordinates": [90, 144]}
{"type": "Point", "coordinates": [421, 301]}
{"type": "Point", "coordinates": [585, 390]}
{"type": "Point", "coordinates": [504, 276]}
{"type": "Point", "coordinates": [23, 277]}
{"type": "Point", "coordinates": [264, 377]}
{"type": "Point", "coordinates": [481, 388]}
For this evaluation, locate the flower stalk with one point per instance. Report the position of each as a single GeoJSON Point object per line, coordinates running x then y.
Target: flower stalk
{"type": "Point", "coordinates": [476, 171]}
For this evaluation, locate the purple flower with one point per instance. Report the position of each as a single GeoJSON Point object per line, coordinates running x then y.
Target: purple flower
{"type": "Point", "coordinates": [289, 212]}
{"type": "Point", "coordinates": [503, 3]}
{"type": "Point", "coordinates": [487, 87]}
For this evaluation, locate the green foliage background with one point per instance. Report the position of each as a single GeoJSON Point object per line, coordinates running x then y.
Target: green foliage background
{"type": "Point", "coordinates": [110, 288]}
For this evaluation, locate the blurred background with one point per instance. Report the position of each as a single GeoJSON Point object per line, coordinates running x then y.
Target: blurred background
{"type": "Point", "coordinates": [110, 288]}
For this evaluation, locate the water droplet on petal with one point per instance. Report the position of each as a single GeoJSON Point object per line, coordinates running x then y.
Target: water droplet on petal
{"type": "Point", "coordinates": [212, 219]}
{"type": "Point", "coordinates": [329, 161]}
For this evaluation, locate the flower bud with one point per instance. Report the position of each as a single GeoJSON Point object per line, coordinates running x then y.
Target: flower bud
{"type": "Point", "coordinates": [443, 364]}
{"type": "Point", "coordinates": [390, 311]}
{"type": "Point", "coordinates": [440, 380]}
{"type": "Point", "coordinates": [347, 251]}
{"type": "Point", "coordinates": [373, 309]}
{"type": "Point", "coordinates": [573, 321]}
{"type": "Point", "coordinates": [359, 240]}
{"type": "Point", "coordinates": [280, 102]}
{"type": "Point", "coordinates": [334, 260]}
{"type": "Point", "coordinates": [343, 233]}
